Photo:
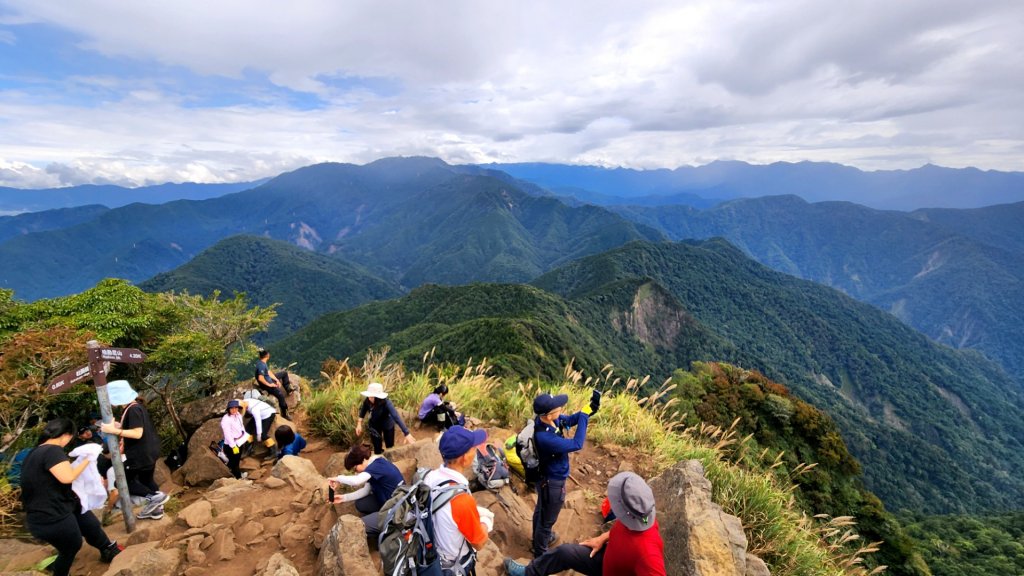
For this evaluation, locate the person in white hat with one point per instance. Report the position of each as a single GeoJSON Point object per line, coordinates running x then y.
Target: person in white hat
{"type": "Point", "coordinates": [633, 547]}
{"type": "Point", "coordinates": [141, 447]}
{"type": "Point", "coordinates": [383, 418]}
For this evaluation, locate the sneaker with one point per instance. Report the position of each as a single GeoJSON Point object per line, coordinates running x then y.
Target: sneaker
{"type": "Point", "coordinates": [513, 568]}
{"type": "Point", "coordinates": [108, 553]}
{"type": "Point", "coordinates": [151, 514]}
{"type": "Point", "coordinates": [157, 499]}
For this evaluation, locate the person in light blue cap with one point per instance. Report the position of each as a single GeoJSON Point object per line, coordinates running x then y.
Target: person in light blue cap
{"type": "Point", "coordinates": [141, 447]}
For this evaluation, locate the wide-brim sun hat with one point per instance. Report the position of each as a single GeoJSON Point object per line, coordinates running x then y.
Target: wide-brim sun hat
{"type": "Point", "coordinates": [233, 403]}
{"type": "Point", "coordinates": [632, 501]}
{"type": "Point", "coordinates": [375, 390]}
{"type": "Point", "coordinates": [121, 393]}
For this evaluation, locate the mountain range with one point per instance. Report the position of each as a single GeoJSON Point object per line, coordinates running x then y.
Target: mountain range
{"type": "Point", "coordinates": [936, 429]}
{"type": "Point", "coordinates": [15, 200]}
{"type": "Point", "coordinates": [926, 187]}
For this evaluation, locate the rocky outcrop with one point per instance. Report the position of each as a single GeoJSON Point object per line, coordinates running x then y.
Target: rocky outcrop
{"type": "Point", "coordinates": [298, 472]}
{"type": "Point", "coordinates": [278, 565]}
{"type": "Point", "coordinates": [146, 560]}
{"type": "Point", "coordinates": [202, 466]}
{"type": "Point", "coordinates": [700, 538]}
{"type": "Point", "coordinates": [424, 452]}
{"type": "Point", "coordinates": [345, 552]}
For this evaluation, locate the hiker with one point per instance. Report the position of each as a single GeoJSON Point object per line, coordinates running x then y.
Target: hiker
{"type": "Point", "coordinates": [377, 478]}
{"type": "Point", "coordinates": [383, 418]}
{"type": "Point", "coordinates": [53, 512]}
{"type": "Point", "coordinates": [85, 436]}
{"type": "Point", "coordinates": [289, 442]}
{"type": "Point", "coordinates": [259, 427]}
{"type": "Point", "coordinates": [460, 526]}
{"type": "Point", "coordinates": [553, 452]}
{"type": "Point", "coordinates": [141, 447]}
{"type": "Point", "coordinates": [633, 546]}
{"type": "Point", "coordinates": [439, 412]}
{"type": "Point", "coordinates": [235, 436]}
{"type": "Point", "coordinates": [274, 384]}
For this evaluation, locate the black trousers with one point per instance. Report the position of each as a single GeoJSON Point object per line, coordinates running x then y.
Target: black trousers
{"type": "Point", "coordinates": [567, 557]}
{"type": "Point", "coordinates": [266, 423]}
{"type": "Point", "coordinates": [66, 536]}
{"type": "Point", "coordinates": [381, 438]}
{"type": "Point", "coordinates": [370, 508]}
{"type": "Point", "coordinates": [140, 480]}
{"type": "Point", "coordinates": [279, 393]}
{"type": "Point", "coordinates": [234, 460]}
{"type": "Point", "coordinates": [550, 498]}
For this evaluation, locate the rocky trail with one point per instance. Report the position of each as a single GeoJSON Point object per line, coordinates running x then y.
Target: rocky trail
{"type": "Point", "coordinates": [276, 522]}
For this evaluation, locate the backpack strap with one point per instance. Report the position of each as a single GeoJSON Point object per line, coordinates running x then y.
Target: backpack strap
{"type": "Point", "coordinates": [443, 494]}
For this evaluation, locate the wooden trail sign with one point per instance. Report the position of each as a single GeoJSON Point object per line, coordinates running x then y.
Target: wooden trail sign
{"type": "Point", "coordinates": [99, 360]}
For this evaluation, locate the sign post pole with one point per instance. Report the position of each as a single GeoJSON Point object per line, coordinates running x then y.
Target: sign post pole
{"type": "Point", "coordinates": [99, 378]}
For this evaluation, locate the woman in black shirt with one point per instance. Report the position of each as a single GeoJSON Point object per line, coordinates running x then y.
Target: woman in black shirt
{"type": "Point", "coordinates": [383, 418]}
{"type": "Point", "coordinates": [53, 512]}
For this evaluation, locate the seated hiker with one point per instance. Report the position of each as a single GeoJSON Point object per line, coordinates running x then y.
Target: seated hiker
{"type": "Point", "coordinates": [633, 547]}
{"type": "Point", "coordinates": [377, 478]}
{"type": "Point", "coordinates": [438, 411]}
{"type": "Point", "coordinates": [276, 385]}
{"type": "Point", "coordinates": [383, 418]}
{"type": "Point", "coordinates": [289, 442]}
{"type": "Point", "coordinates": [263, 415]}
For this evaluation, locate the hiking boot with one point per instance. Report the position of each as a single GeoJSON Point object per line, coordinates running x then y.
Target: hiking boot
{"type": "Point", "coordinates": [108, 553]}
{"type": "Point", "coordinates": [151, 514]}
{"type": "Point", "coordinates": [513, 568]}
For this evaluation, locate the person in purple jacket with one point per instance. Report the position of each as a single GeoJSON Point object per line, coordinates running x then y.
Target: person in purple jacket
{"type": "Point", "coordinates": [438, 411]}
{"type": "Point", "coordinates": [383, 418]}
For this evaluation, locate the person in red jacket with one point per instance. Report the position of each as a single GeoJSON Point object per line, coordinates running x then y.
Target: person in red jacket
{"type": "Point", "coordinates": [633, 547]}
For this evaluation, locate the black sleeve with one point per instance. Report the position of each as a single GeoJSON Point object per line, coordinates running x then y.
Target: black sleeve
{"type": "Point", "coordinates": [53, 456]}
{"type": "Point", "coordinates": [363, 408]}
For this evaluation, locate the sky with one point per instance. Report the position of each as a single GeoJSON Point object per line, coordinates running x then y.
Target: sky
{"type": "Point", "coordinates": [143, 92]}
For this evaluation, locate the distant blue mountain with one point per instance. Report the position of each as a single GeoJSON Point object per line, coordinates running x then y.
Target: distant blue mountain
{"type": "Point", "coordinates": [926, 187]}
{"type": "Point", "coordinates": [15, 200]}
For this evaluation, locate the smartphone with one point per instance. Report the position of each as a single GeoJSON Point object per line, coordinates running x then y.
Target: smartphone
{"type": "Point", "coordinates": [330, 494]}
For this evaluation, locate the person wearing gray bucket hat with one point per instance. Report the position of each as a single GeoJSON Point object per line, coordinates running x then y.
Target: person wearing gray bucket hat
{"type": "Point", "coordinates": [633, 547]}
{"type": "Point", "coordinates": [141, 447]}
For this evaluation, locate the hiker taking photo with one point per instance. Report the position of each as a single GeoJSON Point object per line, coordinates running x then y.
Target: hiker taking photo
{"type": "Point", "coordinates": [633, 547]}
{"type": "Point", "coordinates": [377, 478]}
{"type": "Point", "coordinates": [383, 418]}
{"type": "Point", "coordinates": [553, 453]}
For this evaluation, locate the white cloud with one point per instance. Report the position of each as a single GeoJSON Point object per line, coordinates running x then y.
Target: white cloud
{"type": "Point", "coordinates": [871, 83]}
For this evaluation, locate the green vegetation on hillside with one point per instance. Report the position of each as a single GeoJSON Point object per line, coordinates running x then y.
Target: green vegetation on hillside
{"type": "Point", "coordinates": [304, 284]}
{"type": "Point", "coordinates": [971, 545]}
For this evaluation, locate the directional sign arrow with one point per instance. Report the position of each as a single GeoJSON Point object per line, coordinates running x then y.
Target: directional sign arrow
{"type": "Point", "coordinates": [128, 355]}
{"type": "Point", "coordinates": [68, 379]}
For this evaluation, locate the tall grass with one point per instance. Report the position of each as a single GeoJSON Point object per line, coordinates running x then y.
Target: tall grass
{"type": "Point", "coordinates": [789, 541]}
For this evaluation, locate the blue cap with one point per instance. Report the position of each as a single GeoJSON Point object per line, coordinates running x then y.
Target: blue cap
{"type": "Point", "coordinates": [234, 404]}
{"type": "Point", "coordinates": [546, 403]}
{"type": "Point", "coordinates": [456, 441]}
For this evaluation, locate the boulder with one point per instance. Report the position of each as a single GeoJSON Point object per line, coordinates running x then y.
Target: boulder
{"type": "Point", "coordinates": [513, 518]}
{"type": "Point", "coordinates": [344, 552]}
{"type": "Point", "coordinates": [489, 560]}
{"type": "Point", "coordinates": [202, 466]}
{"type": "Point", "coordinates": [231, 518]}
{"type": "Point", "coordinates": [300, 473]}
{"type": "Point", "coordinates": [756, 567]}
{"type": "Point", "coordinates": [278, 565]}
{"type": "Point", "coordinates": [196, 413]}
{"type": "Point", "coordinates": [146, 560]}
{"type": "Point", "coordinates": [148, 531]}
{"type": "Point", "coordinates": [701, 539]}
{"type": "Point", "coordinates": [223, 547]}
{"type": "Point", "coordinates": [296, 535]}
{"type": "Point", "coordinates": [424, 452]}
{"type": "Point", "coordinates": [335, 465]}
{"type": "Point", "coordinates": [197, 514]}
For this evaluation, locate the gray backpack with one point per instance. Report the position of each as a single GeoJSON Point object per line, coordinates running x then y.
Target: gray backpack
{"type": "Point", "coordinates": [406, 541]}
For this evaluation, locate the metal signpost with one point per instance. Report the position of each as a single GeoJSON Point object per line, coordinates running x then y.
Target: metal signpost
{"type": "Point", "coordinates": [99, 358]}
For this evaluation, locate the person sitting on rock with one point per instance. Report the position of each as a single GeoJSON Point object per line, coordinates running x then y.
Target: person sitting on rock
{"type": "Point", "coordinates": [460, 526]}
{"type": "Point", "coordinates": [377, 478]}
{"type": "Point", "coordinates": [438, 411]}
{"type": "Point", "coordinates": [235, 436]}
{"type": "Point", "coordinates": [383, 418]}
{"type": "Point", "coordinates": [273, 384]}
{"type": "Point", "coordinates": [633, 547]}
{"type": "Point", "coordinates": [263, 415]}
{"type": "Point", "coordinates": [289, 442]}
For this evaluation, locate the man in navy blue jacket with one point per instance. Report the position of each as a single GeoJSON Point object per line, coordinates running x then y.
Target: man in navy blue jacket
{"type": "Point", "coordinates": [553, 452]}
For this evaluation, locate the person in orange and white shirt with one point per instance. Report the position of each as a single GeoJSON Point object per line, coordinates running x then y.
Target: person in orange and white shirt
{"type": "Point", "coordinates": [460, 526]}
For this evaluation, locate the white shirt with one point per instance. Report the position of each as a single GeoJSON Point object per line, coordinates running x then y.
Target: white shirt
{"type": "Point", "coordinates": [450, 542]}
{"type": "Point", "coordinates": [260, 410]}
